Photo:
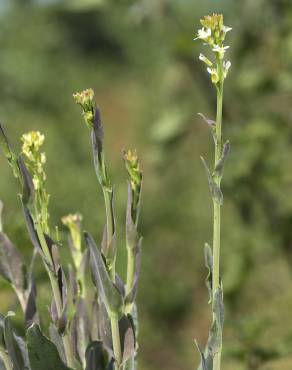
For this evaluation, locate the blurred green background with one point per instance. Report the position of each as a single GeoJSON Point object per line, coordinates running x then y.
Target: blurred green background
{"type": "Point", "coordinates": [140, 57]}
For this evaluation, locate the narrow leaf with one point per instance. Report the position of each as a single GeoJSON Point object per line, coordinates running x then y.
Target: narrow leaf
{"type": "Point", "coordinates": [8, 152]}
{"type": "Point", "coordinates": [28, 191]}
{"type": "Point", "coordinates": [15, 351]}
{"type": "Point", "coordinates": [109, 293]}
{"type": "Point", "coordinates": [209, 266]}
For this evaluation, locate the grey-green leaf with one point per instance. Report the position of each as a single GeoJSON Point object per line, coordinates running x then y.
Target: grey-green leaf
{"type": "Point", "coordinates": [43, 354]}
{"type": "Point", "coordinates": [109, 293]}
{"type": "Point", "coordinates": [214, 188]}
{"type": "Point", "coordinates": [16, 349]}
{"type": "Point", "coordinates": [209, 265]}
{"type": "Point", "coordinates": [95, 359]}
{"type": "Point", "coordinates": [219, 168]}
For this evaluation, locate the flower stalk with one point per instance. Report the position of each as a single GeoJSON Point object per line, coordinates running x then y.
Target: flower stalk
{"type": "Point", "coordinates": [92, 119]}
{"type": "Point", "coordinates": [213, 34]}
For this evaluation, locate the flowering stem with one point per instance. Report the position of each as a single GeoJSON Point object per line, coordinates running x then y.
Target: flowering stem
{"type": "Point", "coordinates": [217, 206]}
{"type": "Point", "coordinates": [110, 229]}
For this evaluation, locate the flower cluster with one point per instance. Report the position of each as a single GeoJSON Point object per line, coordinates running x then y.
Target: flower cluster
{"type": "Point", "coordinates": [133, 167]}
{"type": "Point", "coordinates": [86, 100]}
{"type": "Point", "coordinates": [35, 160]}
{"type": "Point", "coordinates": [31, 145]}
{"type": "Point", "coordinates": [213, 34]}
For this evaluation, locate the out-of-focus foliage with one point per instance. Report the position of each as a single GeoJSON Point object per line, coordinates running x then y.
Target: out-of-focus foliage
{"type": "Point", "coordinates": [140, 58]}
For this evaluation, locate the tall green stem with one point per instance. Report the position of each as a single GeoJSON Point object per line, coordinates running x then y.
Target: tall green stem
{"type": "Point", "coordinates": [110, 228]}
{"type": "Point", "coordinates": [217, 206]}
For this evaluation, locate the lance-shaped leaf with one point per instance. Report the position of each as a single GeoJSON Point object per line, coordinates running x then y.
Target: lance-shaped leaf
{"type": "Point", "coordinates": [15, 271]}
{"type": "Point", "coordinates": [219, 168]}
{"type": "Point", "coordinates": [12, 266]}
{"type": "Point", "coordinates": [215, 336]}
{"type": "Point", "coordinates": [33, 233]}
{"type": "Point", "coordinates": [209, 265]}
{"type": "Point", "coordinates": [60, 320]}
{"type": "Point", "coordinates": [204, 364]}
{"type": "Point", "coordinates": [95, 331]}
{"type": "Point", "coordinates": [80, 330]}
{"type": "Point", "coordinates": [131, 296]}
{"type": "Point", "coordinates": [210, 122]}
{"type": "Point", "coordinates": [8, 152]}
{"type": "Point", "coordinates": [95, 359]}
{"type": "Point", "coordinates": [127, 335]}
{"type": "Point", "coordinates": [43, 354]}
{"type": "Point", "coordinates": [15, 346]}
{"type": "Point", "coordinates": [109, 247]}
{"type": "Point", "coordinates": [212, 125]}
{"type": "Point", "coordinates": [56, 338]}
{"type": "Point", "coordinates": [28, 192]}
{"type": "Point", "coordinates": [98, 153]}
{"type": "Point", "coordinates": [132, 236]}
{"type": "Point", "coordinates": [214, 188]}
{"type": "Point", "coordinates": [109, 293]}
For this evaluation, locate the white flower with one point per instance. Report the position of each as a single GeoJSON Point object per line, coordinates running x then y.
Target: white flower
{"type": "Point", "coordinates": [203, 34]}
{"type": "Point", "coordinates": [214, 75]}
{"type": "Point", "coordinates": [226, 67]}
{"type": "Point", "coordinates": [226, 29]}
{"type": "Point", "coordinates": [36, 183]}
{"type": "Point", "coordinates": [205, 60]}
{"type": "Point", "coordinates": [220, 50]}
{"type": "Point", "coordinates": [43, 158]}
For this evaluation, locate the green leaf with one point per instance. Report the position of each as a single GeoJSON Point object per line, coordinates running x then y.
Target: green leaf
{"type": "Point", "coordinates": [95, 359]}
{"type": "Point", "coordinates": [80, 329]}
{"type": "Point", "coordinates": [109, 293]}
{"type": "Point", "coordinates": [43, 354]}
{"type": "Point", "coordinates": [15, 346]}
{"type": "Point", "coordinates": [214, 188]}
{"type": "Point", "coordinates": [9, 154]}
{"type": "Point", "coordinates": [28, 192]}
